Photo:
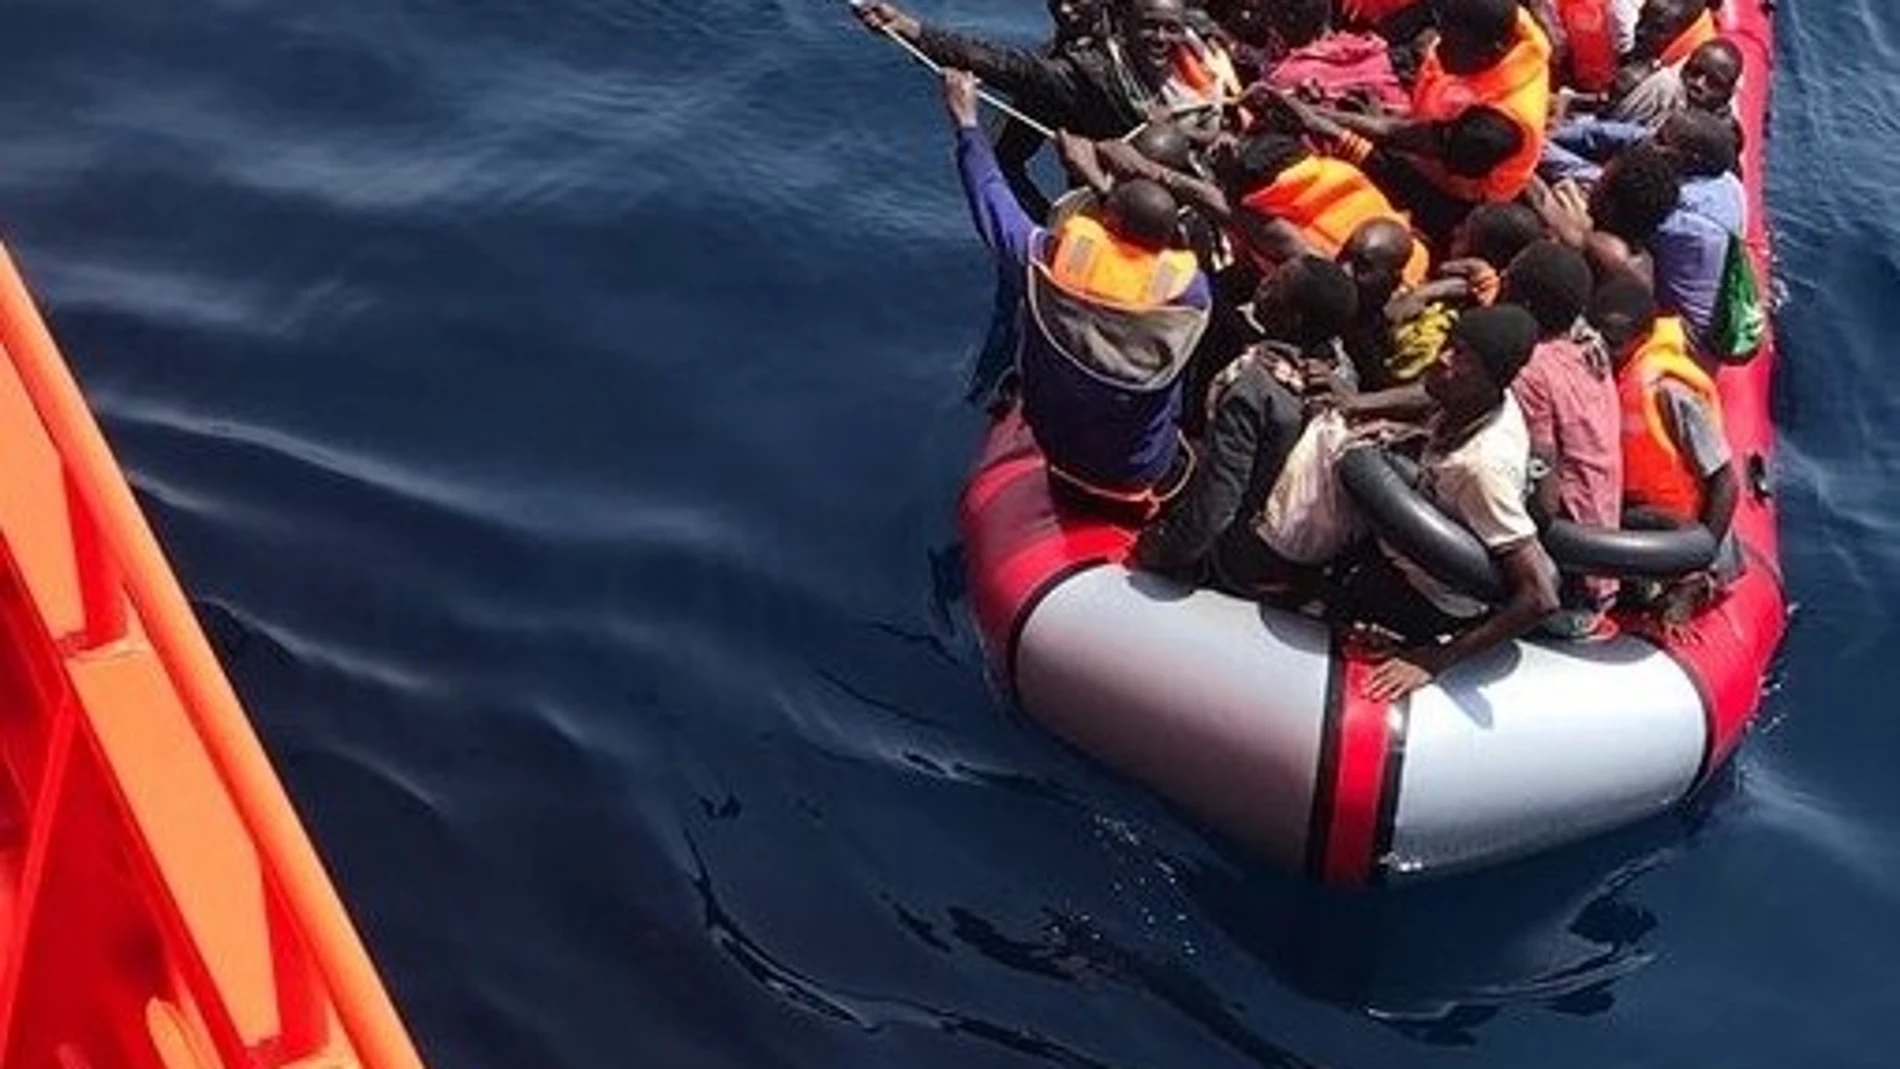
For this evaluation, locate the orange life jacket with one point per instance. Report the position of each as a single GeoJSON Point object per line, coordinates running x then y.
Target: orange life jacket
{"type": "Point", "coordinates": [1699, 33]}
{"type": "Point", "coordinates": [1204, 67]}
{"type": "Point", "coordinates": [1090, 262]}
{"type": "Point", "coordinates": [1328, 199]}
{"type": "Point", "coordinates": [1655, 473]}
{"type": "Point", "coordinates": [1517, 85]}
{"type": "Point", "coordinates": [1592, 42]}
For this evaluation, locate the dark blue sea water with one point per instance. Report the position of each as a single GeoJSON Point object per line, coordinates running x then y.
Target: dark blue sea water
{"type": "Point", "coordinates": [555, 411]}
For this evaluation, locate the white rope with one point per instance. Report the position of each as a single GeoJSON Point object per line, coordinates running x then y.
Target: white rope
{"type": "Point", "coordinates": [985, 95]}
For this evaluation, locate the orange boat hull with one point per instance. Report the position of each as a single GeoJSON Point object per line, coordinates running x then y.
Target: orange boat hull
{"type": "Point", "coordinates": [160, 903]}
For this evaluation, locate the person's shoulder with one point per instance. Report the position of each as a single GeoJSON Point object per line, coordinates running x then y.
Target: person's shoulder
{"type": "Point", "coordinates": [1503, 444]}
{"type": "Point", "coordinates": [1509, 420]}
{"type": "Point", "coordinates": [1535, 376]}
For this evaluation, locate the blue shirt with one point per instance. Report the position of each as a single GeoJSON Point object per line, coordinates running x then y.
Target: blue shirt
{"type": "Point", "coordinates": [1112, 437]}
{"type": "Point", "coordinates": [1691, 246]}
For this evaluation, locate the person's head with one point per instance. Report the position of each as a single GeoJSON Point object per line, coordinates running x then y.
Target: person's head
{"type": "Point", "coordinates": [1077, 18]}
{"type": "Point", "coordinates": [1474, 34]}
{"type": "Point", "coordinates": [1496, 232]}
{"type": "Point", "coordinates": [1478, 140]}
{"type": "Point", "coordinates": [1299, 23]}
{"type": "Point", "coordinates": [1710, 75]}
{"type": "Point", "coordinates": [1623, 311]}
{"type": "Point", "coordinates": [1661, 22]}
{"type": "Point", "coordinates": [1483, 353]}
{"type": "Point", "coordinates": [1164, 143]}
{"type": "Point", "coordinates": [1141, 211]}
{"type": "Point", "coordinates": [1242, 165]}
{"type": "Point", "coordinates": [1636, 192]}
{"type": "Point", "coordinates": [1702, 143]}
{"type": "Point", "coordinates": [1374, 256]}
{"type": "Point", "coordinates": [1551, 281]}
{"type": "Point", "coordinates": [1152, 29]}
{"type": "Point", "coordinates": [1251, 22]}
{"type": "Point", "coordinates": [1307, 302]}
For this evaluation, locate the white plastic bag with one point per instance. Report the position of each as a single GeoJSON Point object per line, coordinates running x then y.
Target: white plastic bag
{"type": "Point", "coordinates": [1308, 517]}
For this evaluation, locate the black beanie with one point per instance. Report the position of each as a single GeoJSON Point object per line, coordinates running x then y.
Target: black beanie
{"type": "Point", "coordinates": [1501, 337]}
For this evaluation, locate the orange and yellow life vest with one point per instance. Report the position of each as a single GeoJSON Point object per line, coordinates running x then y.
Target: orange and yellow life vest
{"type": "Point", "coordinates": [1092, 263]}
{"type": "Point", "coordinates": [1591, 38]}
{"type": "Point", "coordinates": [1655, 473]}
{"type": "Point", "coordinates": [1206, 69]}
{"type": "Point", "coordinates": [1699, 33]}
{"type": "Point", "coordinates": [1328, 199]}
{"type": "Point", "coordinates": [1517, 85]}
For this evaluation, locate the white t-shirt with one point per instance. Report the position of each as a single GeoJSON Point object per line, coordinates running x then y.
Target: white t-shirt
{"type": "Point", "coordinates": [1481, 482]}
{"type": "Point", "coordinates": [1623, 16]}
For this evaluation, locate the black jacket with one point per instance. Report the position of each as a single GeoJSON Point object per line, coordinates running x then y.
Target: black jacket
{"type": "Point", "coordinates": [1253, 426]}
{"type": "Point", "coordinates": [1077, 89]}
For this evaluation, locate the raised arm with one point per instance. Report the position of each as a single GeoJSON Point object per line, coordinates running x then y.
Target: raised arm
{"type": "Point", "coordinates": [1004, 226]}
{"type": "Point", "coordinates": [1122, 160]}
{"type": "Point", "coordinates": [1034, 80]}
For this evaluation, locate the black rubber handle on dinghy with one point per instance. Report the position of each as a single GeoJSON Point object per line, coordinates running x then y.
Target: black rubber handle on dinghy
{"type": "Point", "coordinates": [1385, 487]}
{"type": "Point", "coordinates": [1630, 554]}
{"type": "Point", "coordinates": [1429, 538]}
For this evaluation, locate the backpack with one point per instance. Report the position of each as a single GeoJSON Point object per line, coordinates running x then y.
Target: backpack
{"type": "Point", "coordinates": [1740, 322]}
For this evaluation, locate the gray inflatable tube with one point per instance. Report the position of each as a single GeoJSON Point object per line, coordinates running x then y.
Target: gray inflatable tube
{"type": "Point", "coordinates": [1383, 487]}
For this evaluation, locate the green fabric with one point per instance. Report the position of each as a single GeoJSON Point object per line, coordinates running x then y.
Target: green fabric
{"type": "Point", "coordinates": [1741, 320]}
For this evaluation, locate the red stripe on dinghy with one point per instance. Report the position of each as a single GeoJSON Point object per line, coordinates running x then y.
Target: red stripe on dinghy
{"type": "Point", "coordinates": [1364, 754]}
{"type": "Point", "coordinates": [1319, 822]}
{"type": "Point", "coordinates": [1725, 652]}
{"type": "Point", "coordinates": [1019, 547]}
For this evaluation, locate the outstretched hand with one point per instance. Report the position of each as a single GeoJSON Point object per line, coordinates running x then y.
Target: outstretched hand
{"type": "Point", "coordinates": [959, 97]}
{"type": "Point", "coordinates": [1569, 198]}
{"type": "Point", "coordinates": [1284, 111]}
{"type": "Point", "coordinates": [880, 17]}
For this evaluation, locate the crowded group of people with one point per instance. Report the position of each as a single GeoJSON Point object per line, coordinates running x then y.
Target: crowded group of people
{"type": "Point", "coordinates": [1503, 240]}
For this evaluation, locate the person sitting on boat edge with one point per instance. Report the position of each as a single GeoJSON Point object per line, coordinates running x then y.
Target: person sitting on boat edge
{"type": "Point", "coordinates": [1112, 311]}
{"type": "Point", "coordinates": [1710, 77]}
{"type": "Point", "coordinates": [1677, 468]}
{"type": "Point", "coordinates": [1693, 245]}
{"type": "Point", "coordinates": [1475, 466]}
{"type": "Point", "coordinates": [1161, 142]}
{"type": "Point", "coordinates": [1651, 83]}
{"type": "Point", "coordinates": [1667, 31]}
{"type": "Point", "coordinates": [1254, 417]}
{"type": "Point", "coordinates": [1569, 403]}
